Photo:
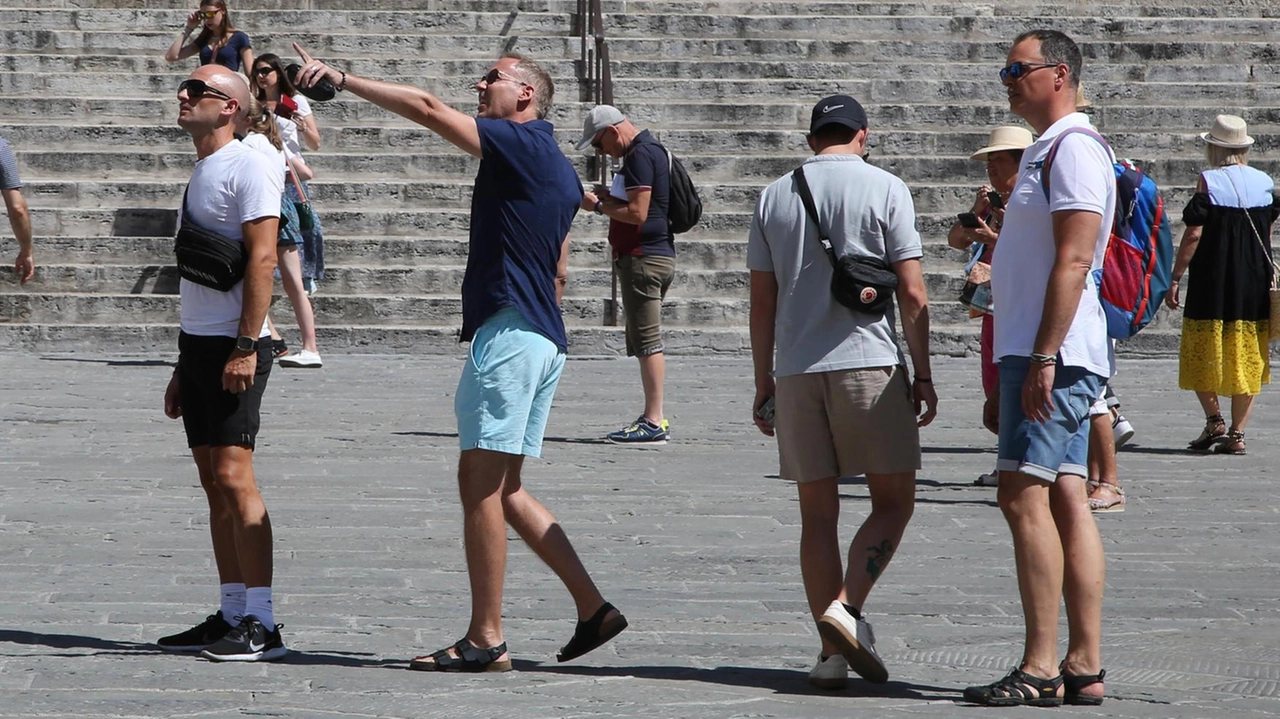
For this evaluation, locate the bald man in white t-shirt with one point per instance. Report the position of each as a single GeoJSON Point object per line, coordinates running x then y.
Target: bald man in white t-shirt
{"type": "Point", "coordinates": [223, 366]}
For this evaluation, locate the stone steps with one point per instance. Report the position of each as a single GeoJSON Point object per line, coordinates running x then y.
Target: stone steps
{"type": "Point", "coordinates": [621, 26]}
{"type": "Point", "coordinates": [974, 88]}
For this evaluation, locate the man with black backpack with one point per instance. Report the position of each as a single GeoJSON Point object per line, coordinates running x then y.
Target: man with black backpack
{"type": "Point", "coordinates": [644, 215]}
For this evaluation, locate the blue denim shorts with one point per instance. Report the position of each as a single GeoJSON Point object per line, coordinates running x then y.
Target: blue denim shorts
{"type": "Point", "coordinates": [1058, 446]}
{"type": "Point", "coordinates": [504, 395]}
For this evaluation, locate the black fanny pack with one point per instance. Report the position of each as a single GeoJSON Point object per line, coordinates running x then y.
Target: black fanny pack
{"type": "Point", "coordinates": [207, 258]}
{"type": "Point", "coordinates": [863, 284]}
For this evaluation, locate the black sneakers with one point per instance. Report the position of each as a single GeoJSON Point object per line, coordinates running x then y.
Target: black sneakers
{"type": "Point", "coordinates": [199, 637]}
{"type": "Point", "coordinates": [248, 641]}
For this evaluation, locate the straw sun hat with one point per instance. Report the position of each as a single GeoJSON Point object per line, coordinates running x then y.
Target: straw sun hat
{"type": "Point", "coordinates": [1228, 131]}
{"type": "Point", "coordinates": [1007, 137]}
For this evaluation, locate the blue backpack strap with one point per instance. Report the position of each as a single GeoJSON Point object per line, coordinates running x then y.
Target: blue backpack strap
{"type": "Point", "coordinates": [1053, 152]}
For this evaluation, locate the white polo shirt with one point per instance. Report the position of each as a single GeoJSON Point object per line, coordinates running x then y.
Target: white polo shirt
{"type": "Point", "coordinates": [1082, 179]}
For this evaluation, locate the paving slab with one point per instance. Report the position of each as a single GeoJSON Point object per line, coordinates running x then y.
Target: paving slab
{"type": "Point", "coordinates": [104, 547]}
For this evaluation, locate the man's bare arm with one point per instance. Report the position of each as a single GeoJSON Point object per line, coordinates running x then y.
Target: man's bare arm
{"type": "Point", "coordinates": [1075, 233]}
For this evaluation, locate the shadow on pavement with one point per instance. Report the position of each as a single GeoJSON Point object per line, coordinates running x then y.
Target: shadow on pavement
{"type": "Point", "coordinates": [1177, 451]}
{"type": "Point", "coordinates": [355, 660]}
{"type": "Point", "coordinates": [73, 641]}
{"type": "Point", "coordinates": [781, 681]}
{"type": "Point", "coordinates": [113, 363]}
{"type": "Point", "coordinates": [454, 435]}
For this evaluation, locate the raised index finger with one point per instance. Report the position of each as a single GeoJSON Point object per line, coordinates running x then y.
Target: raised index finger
{"type": "Point", "coordinates": [303, 54]}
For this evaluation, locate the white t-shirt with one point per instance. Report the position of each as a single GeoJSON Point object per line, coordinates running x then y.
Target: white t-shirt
{"type": "Point", "coordinates": [289, 128]}
{"type": "Point", "coordinates": [263, 145]}
{"type": "Point", "coordinates": [1082, 179]}
{"type": "Point", "coordinates": [232, 186]}
{"type": "Point", "coordinates": [867, 212]}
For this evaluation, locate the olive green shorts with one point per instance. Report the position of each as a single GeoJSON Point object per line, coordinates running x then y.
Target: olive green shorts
{"type": "Point", "coordinates": [644, 280]}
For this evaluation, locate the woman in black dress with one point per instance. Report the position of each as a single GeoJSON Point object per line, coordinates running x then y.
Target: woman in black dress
{"type": "Point", "coordinates": [1226, 315]}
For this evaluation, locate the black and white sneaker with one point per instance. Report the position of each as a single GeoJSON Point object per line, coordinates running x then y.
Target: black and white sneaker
{"type": "Point", "coordinates": [199, 637]}
{"type": "Point", "coordinates": [249, 641]}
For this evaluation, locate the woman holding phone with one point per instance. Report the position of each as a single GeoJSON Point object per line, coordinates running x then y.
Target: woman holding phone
{"type": "Point", "coordinates": [298, 126]}
{"type": "Point", "coordinates": [977, 230]}
{"type": "Point", "coordinates": [219, 41]}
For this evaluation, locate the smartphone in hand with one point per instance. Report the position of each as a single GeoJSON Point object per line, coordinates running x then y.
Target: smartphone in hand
{"type": "Point", "coordinates": [970, 220]}
{"type": "Point", "coordinates": [997, 202]}
{"type": "Point", "coordinates": [765, 412]}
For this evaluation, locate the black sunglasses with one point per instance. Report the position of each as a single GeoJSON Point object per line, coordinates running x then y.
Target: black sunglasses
{"type": "Point", "coordinates": [1019, 70]}
{"type": "Point", "coordinates": [495, 75]}
{"type": "Point", "coordinates": [264, 71]}
{"type": "Point", "coordinates": [197, 89]}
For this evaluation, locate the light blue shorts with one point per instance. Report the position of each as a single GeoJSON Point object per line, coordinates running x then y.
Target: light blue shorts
{"type": "Point", "coordinates": [504, 395]}
{"type": "Point", "coordinates": [1058, 446]}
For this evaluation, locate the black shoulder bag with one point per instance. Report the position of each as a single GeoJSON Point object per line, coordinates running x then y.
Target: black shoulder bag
{"type": "Point", "coordinates": [863, 284]}
{"type": "Point", "coordinates": [207, 258]}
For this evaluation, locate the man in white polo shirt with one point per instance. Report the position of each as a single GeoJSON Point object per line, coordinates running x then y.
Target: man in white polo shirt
{"type": "Point", "coordinates": [1054, 354]}
{"type": "Point", "coordinates": [223, 366]}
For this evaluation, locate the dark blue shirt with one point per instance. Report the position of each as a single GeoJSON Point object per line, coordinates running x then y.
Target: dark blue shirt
{"type": "Point", "coordinates": [523, 203]}
{"type": "Point", "coordinates": [228, 54]}
{"type": "Point", "coordinates": [644, 167]}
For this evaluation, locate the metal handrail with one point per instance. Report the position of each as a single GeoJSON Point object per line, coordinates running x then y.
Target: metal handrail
{"type": "Point", "coordinates": [595, 74]}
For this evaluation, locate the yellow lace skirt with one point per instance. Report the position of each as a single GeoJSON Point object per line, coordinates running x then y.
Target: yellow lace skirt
{"type": "Point", "coordinates": [1227, 358]}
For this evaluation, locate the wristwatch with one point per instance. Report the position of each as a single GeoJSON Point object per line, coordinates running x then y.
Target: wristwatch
{"type": "Point", "coordinates": [598, 207]}
{"type": "Point", "coordinates": [247, 344]}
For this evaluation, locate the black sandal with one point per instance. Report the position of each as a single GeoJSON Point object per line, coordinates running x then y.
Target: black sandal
{"type": "Point", "coordinates": [1073, 683]}
{"type": "Point", "coordinates": [593, 633]}
{"type": "Point", "coordinates": [1017, 689]}
{"type": "Point", "coordinates": [1228, 445]}
{"type": "Point", "coordinates": [1208, 439]}
{"type": "Point", "coordinates": [470, 658]}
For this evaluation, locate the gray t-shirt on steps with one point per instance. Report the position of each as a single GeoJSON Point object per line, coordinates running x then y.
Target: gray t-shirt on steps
{"type": "Point", "coordinates": [866, 212]}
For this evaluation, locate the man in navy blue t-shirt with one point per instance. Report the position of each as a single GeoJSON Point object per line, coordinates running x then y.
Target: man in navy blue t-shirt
{"type": "Point", "coordinates": [525, 197]}
{"type": "Point", "coordinates": [643, 252]}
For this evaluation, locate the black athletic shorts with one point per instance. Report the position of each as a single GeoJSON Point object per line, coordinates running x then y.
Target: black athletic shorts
{"type": "Point", "coordinates": [211, 415]}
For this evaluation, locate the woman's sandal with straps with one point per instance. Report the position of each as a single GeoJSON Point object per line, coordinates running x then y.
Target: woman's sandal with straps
{"type": "Point", "coordinates": [1017, 689]}
{"type": "Point", "coordinates": [1097, 504]}
{"type": "Point", "coordinates": [1073, 683]}
{"type": "Point", "coordinates": [1233, 444]}
{"type": "Point", "coordinates": [1213, 434]}
{"type": "Point", "coordinates": [466, 657]}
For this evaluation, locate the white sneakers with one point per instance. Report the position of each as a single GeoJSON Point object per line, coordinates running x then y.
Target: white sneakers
{"type": "Point", "coordinates": [855, 640]}
{"type": "Point", "coordinates": [305, 359]}
{"type": "Point", "coordinates": [830, 673]}
{"type": "Point", "coordinates": [1121, 430]}
{"type": "Point", "coordinates": [988, 480]}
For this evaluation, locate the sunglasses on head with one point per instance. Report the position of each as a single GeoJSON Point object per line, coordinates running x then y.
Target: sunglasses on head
{"type": "Point", "coordinates": [1019, 70]}
{"type": "Point", "coordinates": [495, 75]}
{"type": "Point", "coordinates": [209, 14]}
{"type": "Point", "coordinates": [197, 89]}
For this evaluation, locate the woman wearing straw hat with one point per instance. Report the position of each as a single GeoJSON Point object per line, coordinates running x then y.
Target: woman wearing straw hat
{"type": "Point", "coordinates": [1225, 317]}
{"type": "Point", "coordinates": [1003, 157]}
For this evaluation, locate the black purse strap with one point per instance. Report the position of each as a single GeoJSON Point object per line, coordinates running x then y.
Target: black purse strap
{"type": "Point", "coordinates": [806, 196]}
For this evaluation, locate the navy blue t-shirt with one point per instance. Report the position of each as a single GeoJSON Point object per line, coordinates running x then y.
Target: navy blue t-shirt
{"type": "Point", "coordinates": [229, 54]}
{"type": "Point", "coordinates": [524, 200]}
{"type": "Point", "coordinates": [644, 167]}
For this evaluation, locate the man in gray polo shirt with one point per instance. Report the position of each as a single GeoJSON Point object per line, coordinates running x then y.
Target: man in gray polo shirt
{"type": "Point", "coordinates": [19, 217]}
{"type": "Point", "coordinates": [844, 406]}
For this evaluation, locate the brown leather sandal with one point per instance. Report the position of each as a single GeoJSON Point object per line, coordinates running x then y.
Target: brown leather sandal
{"type": "Point", "coordinates": [1213, 434]}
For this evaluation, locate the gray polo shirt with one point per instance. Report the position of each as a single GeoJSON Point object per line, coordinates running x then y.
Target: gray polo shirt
{"type": "Point", "coordinates": [9, 179]}
{"type": "Point", "coordinates": [867, 212]}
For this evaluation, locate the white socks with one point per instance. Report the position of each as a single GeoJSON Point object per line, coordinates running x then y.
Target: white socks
{"type": "Point", "coordinates": [233, 603]}
{"type": "Point", "coordinates": [258, 603]}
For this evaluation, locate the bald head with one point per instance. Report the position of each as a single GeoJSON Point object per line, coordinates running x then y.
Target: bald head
{"type": "Point", "coordinates": [229, 81]}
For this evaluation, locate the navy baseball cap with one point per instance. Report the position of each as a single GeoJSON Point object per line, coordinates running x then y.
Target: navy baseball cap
{"type": "Point", "coordinates": [838, 109]}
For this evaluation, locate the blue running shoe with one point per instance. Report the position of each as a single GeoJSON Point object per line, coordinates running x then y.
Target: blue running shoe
{"type": "Point", "coordinates": [642, 431]}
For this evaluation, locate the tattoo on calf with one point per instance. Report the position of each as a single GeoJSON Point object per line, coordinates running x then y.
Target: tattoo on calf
{"type": "Point", "coordinates": [880, 556]}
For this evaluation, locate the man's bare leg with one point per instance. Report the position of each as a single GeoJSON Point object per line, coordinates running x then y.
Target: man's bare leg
{"type": "Point", "coordinates": [893, 499]}
{"type": "Point", "coordinates": [653, 372]}
{"type": "Point", "coordinates": [1084, 576]}
{"type": "Point", "coordinates": [540, 530]}
{"type": "Point", "coordinates": [1037, 552]}
{"type": "Point", "coordinates": [481, 474]}
{"type": "Point", "coordinates": [820, 557]}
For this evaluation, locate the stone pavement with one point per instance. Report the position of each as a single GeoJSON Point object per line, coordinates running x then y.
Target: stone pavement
{"type": "Point", "coordinates": [103, 548]}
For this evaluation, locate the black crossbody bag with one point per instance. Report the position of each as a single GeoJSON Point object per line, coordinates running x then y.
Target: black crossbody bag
{"type": "Point", "coordinates": [863, 284]}
{"type": "Point", "coordinates": [207, 258]}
